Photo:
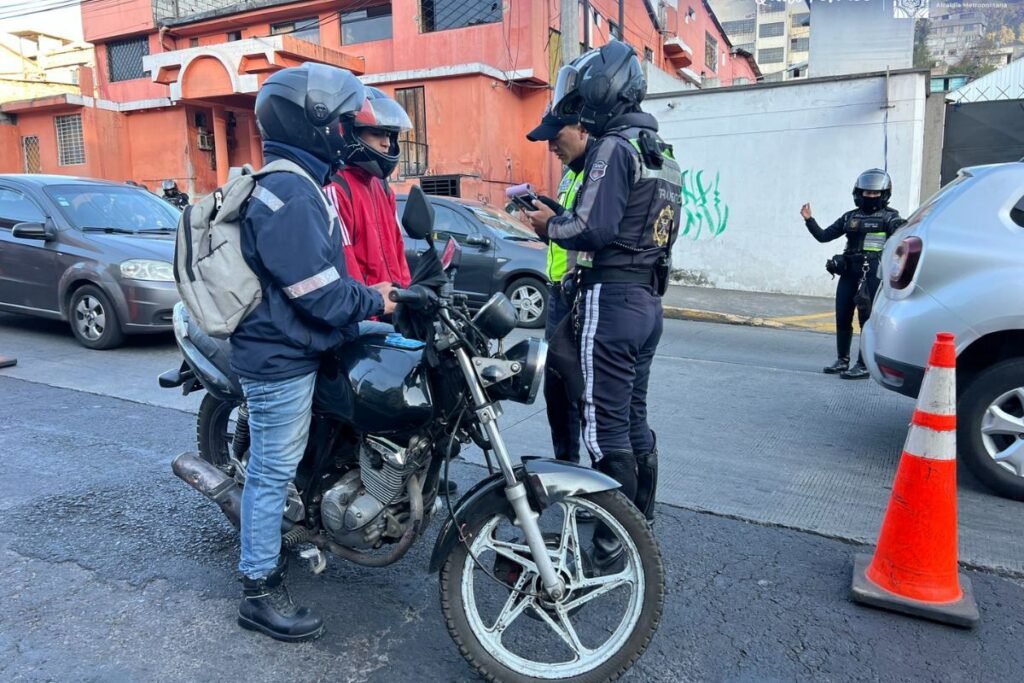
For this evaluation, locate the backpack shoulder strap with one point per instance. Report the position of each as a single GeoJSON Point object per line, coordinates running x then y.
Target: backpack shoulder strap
{"type": "Point", "coordinates": [286, 166]}
{"type": "Point", "coordinates": [343, 181]}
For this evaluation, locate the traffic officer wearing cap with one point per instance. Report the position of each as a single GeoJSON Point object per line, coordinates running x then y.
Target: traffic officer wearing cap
{"type": "Point", "coordinates": [567, 140]}
{"type": "Point", "coordinates": [623, 224]}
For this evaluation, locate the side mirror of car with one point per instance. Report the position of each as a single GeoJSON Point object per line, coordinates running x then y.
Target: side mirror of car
{"type": "Point", "coordinates": [418, 219]}
{"type": "Point", "coordinates": [35, 231]}
{"type": "Point", "coordinates": [478, 241]}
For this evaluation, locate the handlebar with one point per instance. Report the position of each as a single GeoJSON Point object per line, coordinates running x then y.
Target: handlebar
{"type": "Point", "coordinates": [415, 296]}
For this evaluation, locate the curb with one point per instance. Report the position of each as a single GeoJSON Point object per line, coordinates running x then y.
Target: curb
{"type": "Point", "coordinates": [678, 313]}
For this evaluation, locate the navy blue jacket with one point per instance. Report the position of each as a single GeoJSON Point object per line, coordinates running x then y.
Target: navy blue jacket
{"type": "Point", "coordinates": [310, 304]}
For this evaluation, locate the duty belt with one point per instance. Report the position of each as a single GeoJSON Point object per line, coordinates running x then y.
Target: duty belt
{"type": "Point", "coordinates": [594, 276]}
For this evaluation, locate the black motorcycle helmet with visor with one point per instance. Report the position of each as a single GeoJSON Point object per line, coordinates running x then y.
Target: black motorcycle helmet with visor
{"type": "Point", "coordinates": [600, 85]}
{"type": "Point", "coordinates": [302, 106]}
{"type": "Point", "coordinates": [382, 113]}
{"type": "Point", "coordinates": [168, 186]}
{"type": "Point", "coordinates": [872, 180]}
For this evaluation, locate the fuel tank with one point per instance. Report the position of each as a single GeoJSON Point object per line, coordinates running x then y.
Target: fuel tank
{"type": "Point", "coordinates": [377, 383]}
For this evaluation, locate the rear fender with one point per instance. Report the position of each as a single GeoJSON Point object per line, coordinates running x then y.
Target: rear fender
{"type": "Point", "coordinates": [547, 482]}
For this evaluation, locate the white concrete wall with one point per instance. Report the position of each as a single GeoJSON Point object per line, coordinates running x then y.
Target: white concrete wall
{"type": "Point", "coordinates": [762, 151]}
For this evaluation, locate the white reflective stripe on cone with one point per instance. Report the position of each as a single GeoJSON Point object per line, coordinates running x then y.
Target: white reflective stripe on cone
{"type": "Point", "coordinates": [930, 444]}
{"type": "Point", "coordinates": [938, 392]}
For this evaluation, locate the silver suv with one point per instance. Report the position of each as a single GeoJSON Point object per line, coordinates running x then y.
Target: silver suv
{"type": "Point", "coordinates": [958, 266]}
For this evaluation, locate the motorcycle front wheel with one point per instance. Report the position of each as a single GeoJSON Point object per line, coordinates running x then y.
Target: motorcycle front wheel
{"type": "Point", "coordinates": [495, 610]}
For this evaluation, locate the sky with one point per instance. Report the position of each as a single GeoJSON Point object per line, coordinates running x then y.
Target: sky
{"type": "Point", "coordinates": [66, 22]}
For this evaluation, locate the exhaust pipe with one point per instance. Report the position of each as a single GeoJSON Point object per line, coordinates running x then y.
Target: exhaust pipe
{"type": "Point", "coordinates": [212, 483]}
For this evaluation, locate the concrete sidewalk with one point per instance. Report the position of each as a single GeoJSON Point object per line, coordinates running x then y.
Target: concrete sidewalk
{"type": "Point", "coordinates": [758, 309]}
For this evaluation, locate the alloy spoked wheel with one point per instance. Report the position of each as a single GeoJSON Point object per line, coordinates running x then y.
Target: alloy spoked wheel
{"type": "Point", "coordinates": [1002, 431]}
{"type": "Point", "coordinates": [513, 631]}
{"type": "Point", "coordinates": [530, 300]}
{"type": "Point", "coordinates": [93, 319]}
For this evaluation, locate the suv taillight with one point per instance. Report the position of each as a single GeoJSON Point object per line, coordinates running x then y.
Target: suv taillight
{"type": "Point", "coordinates": [905, 259]}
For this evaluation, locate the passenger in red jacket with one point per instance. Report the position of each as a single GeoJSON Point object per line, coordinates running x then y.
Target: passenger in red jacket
{"type": "Point", "coordinates": [374, 250]}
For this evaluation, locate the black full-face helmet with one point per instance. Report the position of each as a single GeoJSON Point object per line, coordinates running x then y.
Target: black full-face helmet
{"type": "Point", "coordinates": [872, 180]}
{"type": "Point", "coordinates": [600, 85]}
{"type": "Point", "coordinates": [380, 112]}
{"type": "Point", "coordinates": [302, 106]}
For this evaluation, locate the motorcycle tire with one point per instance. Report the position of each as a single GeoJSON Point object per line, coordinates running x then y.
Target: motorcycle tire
{"type": "Point", "coordinates": [213, 431]}
{"type": "Point", "coordinates": [488, 665]}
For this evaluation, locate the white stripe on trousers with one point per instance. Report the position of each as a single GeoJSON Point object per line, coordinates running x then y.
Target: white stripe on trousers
{"type": "Point", "coordinates": [587, 364]}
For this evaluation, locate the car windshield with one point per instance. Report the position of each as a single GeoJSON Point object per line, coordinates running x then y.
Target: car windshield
{"type": "Point", "coordinates": [119, 209]}
{"type": "Point", "coordinates": [503, 223]}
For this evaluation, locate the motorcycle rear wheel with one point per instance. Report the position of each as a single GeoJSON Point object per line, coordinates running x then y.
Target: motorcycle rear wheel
{"type": "Point", "coordinates": [483, 644]}
{"type": "Point", "coordinates": [215, 431]}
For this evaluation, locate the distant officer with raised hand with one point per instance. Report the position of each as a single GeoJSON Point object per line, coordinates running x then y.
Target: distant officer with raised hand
{"type": "Point", "coordinates": [866, 229]}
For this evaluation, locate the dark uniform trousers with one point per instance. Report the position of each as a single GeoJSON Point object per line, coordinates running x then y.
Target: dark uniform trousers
{"type": "Point", "coordinates": [562, 409]}
{"type": "Point", "coordinates": [620, 327]}
{"type": "Point", "coordinates": [846, 291]}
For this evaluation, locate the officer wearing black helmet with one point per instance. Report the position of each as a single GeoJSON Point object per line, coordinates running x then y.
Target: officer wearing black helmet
{"type": "Point", "coordinates": [292, 240]}
{"type": "Point", "coordinates": [623, 224]}
{"type": "Point", "coordinates": [172, 195]}
{"type": "Point", "coordinates": [866, 229]}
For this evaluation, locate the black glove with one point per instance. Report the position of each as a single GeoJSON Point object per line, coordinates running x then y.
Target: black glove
{"type": "Point", "coordinates": [552, 204]}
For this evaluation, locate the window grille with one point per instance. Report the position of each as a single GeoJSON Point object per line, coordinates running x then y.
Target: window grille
{"type": "Point", "coordinates": [30, 149]}
{"type": "Point", "coordinates": [124, 58]}
{"type": "Point", "coordinates": [442, 185]}
{"type": "Point", "coordinates": [70, 145]}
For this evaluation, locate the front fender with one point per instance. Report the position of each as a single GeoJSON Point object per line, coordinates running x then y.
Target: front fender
{"type": "Point", "coordinates": [547, 482]}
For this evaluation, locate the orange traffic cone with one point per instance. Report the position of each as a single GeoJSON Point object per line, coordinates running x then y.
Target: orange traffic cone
{"type": "Point", "coordinates": [914, 569]}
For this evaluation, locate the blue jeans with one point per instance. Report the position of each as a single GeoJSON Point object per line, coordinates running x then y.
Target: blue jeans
{"type": "Point", "coordinates": [279, 415]}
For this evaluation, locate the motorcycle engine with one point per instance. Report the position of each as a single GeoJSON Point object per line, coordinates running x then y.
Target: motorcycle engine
{"type": "Point", "coordinates": [368, 504]}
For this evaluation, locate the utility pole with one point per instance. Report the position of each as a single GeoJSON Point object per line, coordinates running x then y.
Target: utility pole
{"type": "Point", "coordinates": [622, 20]}
{"type": "Point", "coordinates": [586, 25]}
{"type": "Point", "coordinates": [568, 25]}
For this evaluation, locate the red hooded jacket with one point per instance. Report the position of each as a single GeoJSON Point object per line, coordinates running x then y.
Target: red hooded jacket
{"type": "Point", "coordinates": [374, 250]}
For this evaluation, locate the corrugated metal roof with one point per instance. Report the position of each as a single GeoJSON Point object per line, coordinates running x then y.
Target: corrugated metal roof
{"type": "Point", "coordinates": [1006, 83]}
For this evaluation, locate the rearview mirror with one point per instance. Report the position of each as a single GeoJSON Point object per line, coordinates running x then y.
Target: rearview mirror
{"type": "Point", "coordinates": [34, 231]}
{"type": "Point", "coordinates": [418, 219]}
{"type": "Point", "coordinates": [478, 241]}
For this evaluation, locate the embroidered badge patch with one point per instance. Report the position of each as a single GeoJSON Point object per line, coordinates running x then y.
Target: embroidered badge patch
{"type": "Point", "coordinates": [598, 170]}
{"type": "Point", "coordinates": [663, 226]}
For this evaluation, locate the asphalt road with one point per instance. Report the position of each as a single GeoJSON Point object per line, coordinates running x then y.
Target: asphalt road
{"type": "Point", "coordinates": [112, 569]}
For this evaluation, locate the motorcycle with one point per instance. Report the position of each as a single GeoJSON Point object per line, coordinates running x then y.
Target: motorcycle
{"type": "Point", "coordinates": [391, 410]}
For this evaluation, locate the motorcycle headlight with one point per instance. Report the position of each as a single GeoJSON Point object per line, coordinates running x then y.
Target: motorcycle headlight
{"type": "Point", "coordinates": [497, 318]}
{"type": "Point", "coordinates": [531, 354]}
{"type": "Point", "coordinates": [146, 269]}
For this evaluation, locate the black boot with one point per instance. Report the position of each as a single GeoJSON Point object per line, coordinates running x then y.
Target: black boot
{"type": "Point", "coordinates": [858, 371]}
{"type": "Point", "coordinates": [607, 556]}
{"type": "Point", "coordinates": [647, 480]}
{"type": "Point", "coordinates": [268, 608]}
{"type": "Point", "coordinates": [843, 340]}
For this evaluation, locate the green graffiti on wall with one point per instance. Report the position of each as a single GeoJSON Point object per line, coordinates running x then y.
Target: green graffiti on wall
{"type": "Point", "coordinates": [703, 208]}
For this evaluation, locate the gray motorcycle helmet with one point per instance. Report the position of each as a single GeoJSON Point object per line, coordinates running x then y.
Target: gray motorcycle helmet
{"type": "Point", "coordinates": [872, 180]}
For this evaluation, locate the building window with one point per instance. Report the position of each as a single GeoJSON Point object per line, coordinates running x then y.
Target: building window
{"type": "Point", "coordinates": [414, 141]}
{"type": "Point", "coordinates": [613, 30]}
{"type": "Point", "coordinates": [772, 55]}
{"type": "Point", "coordinates": [234, 35]}
{"type": "Point", "coordinates": [439, 15]}
{"type": "Point", "coordinates": [710, 52]}
{"type": "Point", "coordinates": [648, 55]}
{"type": "Point", "coordinates": [124, 58]}
{"type": "Point", "coordinates": [303, 29]}
{"type": "Point", "coordinates": [747, 47]}
{"type": "Point", "coordinates": [801, 20]}
{"type": "Point", "coordinates": [193, 42]}
{"type": "Point", "coordinates": [772, 6]}
{"type": "Point", "coordinates": [773, 30]}
{"type": "Point", "coordinates": [365, 25]}
{"type": "Point", "coordinates": [735, 28]}
{"type": "Point", "coordinates": [799, 44]}
{"type": "Point", "coordinates": [30, 149]}
{"type": "Point", "coordinates": [70, 145]}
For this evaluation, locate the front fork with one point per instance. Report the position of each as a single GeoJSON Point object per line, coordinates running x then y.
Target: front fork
{"type": "Point", "coordinates": [515, 491]}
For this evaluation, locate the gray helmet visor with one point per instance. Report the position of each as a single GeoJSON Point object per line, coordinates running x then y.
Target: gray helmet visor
{"type": "Point", "coordinates": [387, 114]}
{"type": "Point", "coordinates": [875, 180]}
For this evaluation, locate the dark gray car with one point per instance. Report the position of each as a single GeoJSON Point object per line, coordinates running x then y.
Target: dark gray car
{"type": "Point", "coordinates": [499, 254]}
{"type": "Point", "coordinates": [97, 254]}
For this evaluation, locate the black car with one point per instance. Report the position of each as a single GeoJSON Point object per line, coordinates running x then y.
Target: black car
{"type": "Point", "coordinates": [499, 254]}
{"type": "Point", "coordinates": [94, 253]}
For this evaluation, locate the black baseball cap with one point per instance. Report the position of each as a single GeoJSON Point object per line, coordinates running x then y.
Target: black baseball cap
{"type": "Point", "coordinates": [549, 127]}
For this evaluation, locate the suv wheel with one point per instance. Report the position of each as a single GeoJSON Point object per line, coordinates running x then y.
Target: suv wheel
{"type": "Point", "coordinates": [990, 431]}
{"type": "Point", "coordinates": [93, 319]}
